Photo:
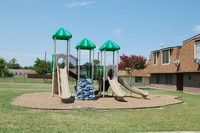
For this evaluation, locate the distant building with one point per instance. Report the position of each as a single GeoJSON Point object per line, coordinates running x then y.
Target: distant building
{"type": "Point", "coordinates": [177, 68]}
{"type": "Point", "coordinates": [22, 72]}
{"type": "Point", "coordinates": [138, 77]}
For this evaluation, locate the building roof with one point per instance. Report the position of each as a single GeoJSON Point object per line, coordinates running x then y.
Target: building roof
{"type": "Point", "coordinates": [181, 59]}
{"type": "Point", "coordinates": [142, 73]}
{"type": "Point", "coordinates": [196, 37]}
{"type": "Point", "coordinates": [167, 48]}
{"type": "Point", "coordinates": [24, 71]}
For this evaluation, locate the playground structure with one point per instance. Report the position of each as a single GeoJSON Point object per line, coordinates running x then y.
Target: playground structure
{"type": "Point", "coordinates": [106, 75]}
{"type": "Point", "coordinates": [110, 73]}
{"type": "Point", "coordinates": [60, 75]}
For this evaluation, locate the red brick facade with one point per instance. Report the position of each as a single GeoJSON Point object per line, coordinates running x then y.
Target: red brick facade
{"type": "Point", "coordinates": [181, 72]}
{"type": "Point", "coordinates": [163, 68]}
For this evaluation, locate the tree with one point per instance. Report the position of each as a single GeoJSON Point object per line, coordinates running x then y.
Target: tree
{"type": "Point", "coordinates": [12, 64]}
{"type": "Point", "coordinates": [62, 65]}
{"type": "Point", "coordinates": [3, 69]}
{"type": "Point", "coordinates": [42, 66]}
{"type": "Point", "coordinates": [71, 65]}
{"type": "Point", "coordinates": [129, 63]}
{"type": "Point", "coordinates": [132, 62]}
{"type": "Point", "coordinates": [96, 62]}
{"type": "Point", "coordinates": [28, 67]}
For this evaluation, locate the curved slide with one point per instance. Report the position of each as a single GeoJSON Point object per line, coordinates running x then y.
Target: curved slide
{"type": "Point", "coordinates": [63, 86]}
{"type": "Point", "coordinates": [143, 93]}
{"type": "Point", "coordinates": [116, 88]}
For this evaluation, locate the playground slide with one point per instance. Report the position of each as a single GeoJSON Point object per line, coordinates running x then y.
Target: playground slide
{"type": "Point", "coordinates": [116, 88]}
{"type": "Point", "coordinates": [133, 89]}
{"type": "Point", "coordinates": [63, 86]}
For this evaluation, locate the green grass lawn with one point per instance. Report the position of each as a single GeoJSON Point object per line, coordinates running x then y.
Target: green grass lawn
{"type": "Point", "coordinates": [179, 117]}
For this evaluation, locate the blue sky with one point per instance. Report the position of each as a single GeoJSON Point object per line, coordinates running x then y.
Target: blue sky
{"type": "Point", "coordinates": [138, 26]}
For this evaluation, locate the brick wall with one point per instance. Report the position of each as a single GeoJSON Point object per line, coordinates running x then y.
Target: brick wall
{"type": "Point", "coordinates": [192, 79]}
{"type": "Point", "coordinates": [191, 82]}
{"type": "Point", "coordinates": [184, 54]}
{"type": "Point", "coordinates": [162, 78]}
{"type": "Point", "coordinates": [162, 81]}
{"type": "Point", "coordinates": [186, 57]}
{"type": "Point", "coordinates": [187, 67]}
{"type": "Point", "coordinates": [163, 68]}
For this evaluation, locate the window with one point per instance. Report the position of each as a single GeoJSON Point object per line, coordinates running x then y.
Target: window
{"type": "Point", "coordinates": [138, 79]}
{"type": "Point", "coordinates": [165, 56]}
{"type": "Point", "coordinates": [197, 49]}
{"type": "Point", "coordinates": [168, 79]}
{"type": "Point", "coordinates": [157, 78]}
{"type": "Point", "coordinates": [189, 77]}
{"type": "Point", "coordinates": [155, 56]}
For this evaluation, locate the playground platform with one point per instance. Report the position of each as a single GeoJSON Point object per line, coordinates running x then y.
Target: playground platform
{"type": "Point", "coordinates": [44, 101]}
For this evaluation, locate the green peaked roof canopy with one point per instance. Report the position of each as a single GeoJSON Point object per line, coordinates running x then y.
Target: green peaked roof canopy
{"type": "Point", "coordinates": [85, 44]}
{"type": "Point", "coordinates": [109, 46]}
{"type": "Point", "coordinates": [62, 34]}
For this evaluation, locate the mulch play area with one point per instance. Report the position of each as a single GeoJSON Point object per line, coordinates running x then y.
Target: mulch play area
{"type": "Point", "coordinates": [45, 101]}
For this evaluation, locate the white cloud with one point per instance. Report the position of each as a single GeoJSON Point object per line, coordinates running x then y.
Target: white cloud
{"type": "Point", "coordinates": [118, 32]}
{"type": "Point", "coordinates": [196, 28]}
{"type": "Point", "coordinates": [80, 4]}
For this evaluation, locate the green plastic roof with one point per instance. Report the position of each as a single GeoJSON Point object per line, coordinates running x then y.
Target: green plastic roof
{"type": "Point", "coordinates": [85, 44]}
{"type": "Point", "coordinates": [62, 34]}
{"type": "Point", "coordinates": [109, 46]}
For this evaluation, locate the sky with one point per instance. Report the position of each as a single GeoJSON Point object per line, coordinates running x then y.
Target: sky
{"type": "Point", "coordinates": [137, 26]}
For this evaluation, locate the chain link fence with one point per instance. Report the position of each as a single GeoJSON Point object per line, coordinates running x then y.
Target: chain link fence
{"type": "Point", "coordinates": [24, 79]}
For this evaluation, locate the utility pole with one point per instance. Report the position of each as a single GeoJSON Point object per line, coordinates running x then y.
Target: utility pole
{"type": "Point", "coordinates": [45, 59]}
{"type": "Point", "coordinates": [45, 56]}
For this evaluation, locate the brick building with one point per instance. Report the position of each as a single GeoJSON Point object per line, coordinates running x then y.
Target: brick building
{"type": "Point", "coordinates": [22, 72]}
{"type": "Point", "coordinates": [138, 77]}
{"type": "Point", "coordinates": [178, 67]}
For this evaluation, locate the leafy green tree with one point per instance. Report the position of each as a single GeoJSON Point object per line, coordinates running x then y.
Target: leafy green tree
{"type": "Point", "coordinates": [42, 66]}
{"type": "Point", "coordinates": [12, 64]}
{"type": "Point", "coordinates": [61, 65]}
{"type": "Point", "coordinates": [71, 65]}
{"type": "Point", "coordinates": [28, 67]}
{"type": "Point", "coordinates": [3, 69]}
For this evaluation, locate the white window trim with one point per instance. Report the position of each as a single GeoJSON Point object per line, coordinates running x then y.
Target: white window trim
{"type": "Point", "coordinates": [195, 47]}
{"type": "Point", "coordinates": [169, 57]}
{"type": "Point", "coordinates": [195, 50]}
{"type": "Point", "coordinates": [156, 59]}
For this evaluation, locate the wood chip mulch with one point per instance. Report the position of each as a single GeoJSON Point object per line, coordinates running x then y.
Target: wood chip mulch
{"type": "Point", "coordinates": [45, 101]}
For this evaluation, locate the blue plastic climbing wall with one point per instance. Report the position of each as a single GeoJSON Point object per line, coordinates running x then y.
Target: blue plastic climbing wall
{"type": "Point", "coordinates": [85, 90]}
